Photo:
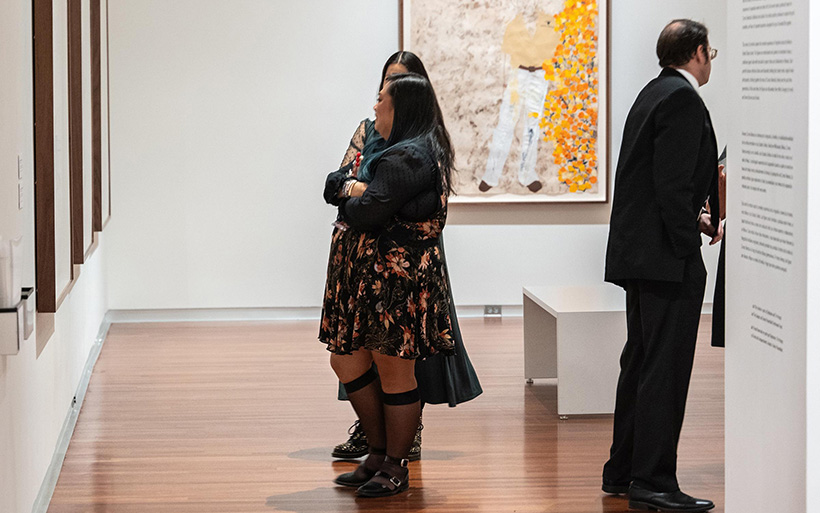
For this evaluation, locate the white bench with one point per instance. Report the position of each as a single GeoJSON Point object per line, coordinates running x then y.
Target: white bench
{"type": "Point", "coordinates": [576, 334]}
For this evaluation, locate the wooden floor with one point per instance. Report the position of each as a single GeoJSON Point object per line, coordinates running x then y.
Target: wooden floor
{"type": "Point", "coordinates": [241, 417]}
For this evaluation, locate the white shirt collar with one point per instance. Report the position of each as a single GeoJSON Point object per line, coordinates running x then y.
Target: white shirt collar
{"type": "Point", "coordinates": [690, 77]}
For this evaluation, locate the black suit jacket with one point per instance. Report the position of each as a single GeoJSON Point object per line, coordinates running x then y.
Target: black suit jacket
{"type": "Point", "coordinates": [666, 171]}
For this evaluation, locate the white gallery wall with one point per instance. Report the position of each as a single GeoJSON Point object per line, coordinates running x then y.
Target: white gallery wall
{"type": "Point", "coordinates": [226, 117]}
{"type": "Point", "coordinates": [813, 271]}
{"type": "Point", "coordinates": [772, 260]}
{"type": "Point", "coordinates": [62, 180]}
{"type": "Point", "coordinates": [37, 385]}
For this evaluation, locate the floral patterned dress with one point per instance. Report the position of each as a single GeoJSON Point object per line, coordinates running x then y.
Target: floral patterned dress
{"type": "Point", "coordinates": [387, 288]}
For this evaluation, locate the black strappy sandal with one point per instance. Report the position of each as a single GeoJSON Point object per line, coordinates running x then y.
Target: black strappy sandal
{"type": "Point", "coordinates": [356, 478]}
{"type": "Point", "coordinates": [363, 473]}
{"type": "Point", "coordinates": [392, 478]}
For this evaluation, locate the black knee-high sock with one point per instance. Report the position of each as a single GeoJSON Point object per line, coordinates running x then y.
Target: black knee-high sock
{"type": "Point", "coordinates": [401, 418]}
{"type": "Point", "coordinates": [365, 396]}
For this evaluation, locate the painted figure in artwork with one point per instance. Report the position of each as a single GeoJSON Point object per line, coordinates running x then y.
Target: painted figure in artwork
{"type": "Point", "coordinates": [529, 40]}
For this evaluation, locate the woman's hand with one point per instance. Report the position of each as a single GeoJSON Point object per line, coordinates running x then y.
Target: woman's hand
{"type": "Point", "coordinates": [358, 189]}
{"type": "Point", "coordinates": [352, 188]}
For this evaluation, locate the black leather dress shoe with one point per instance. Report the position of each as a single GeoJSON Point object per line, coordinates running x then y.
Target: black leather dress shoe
{"type": "Point", "coordinates": [613, 488]}
{"type": "Point", "coordinates": [640, 498]}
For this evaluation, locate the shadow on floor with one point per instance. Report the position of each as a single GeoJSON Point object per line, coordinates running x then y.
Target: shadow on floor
{"type": "Point", "coordinates": [344, 500]}
{"type": "Point", "coordinates": [323, 454]}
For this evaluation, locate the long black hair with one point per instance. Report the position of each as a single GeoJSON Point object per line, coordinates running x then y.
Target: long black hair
{"type": "Point", "coordinates": [409, 60]}
{"type": "Point", "coordinates": [416, 115]}
{"type": "Point", "coordinates": [375, 146]}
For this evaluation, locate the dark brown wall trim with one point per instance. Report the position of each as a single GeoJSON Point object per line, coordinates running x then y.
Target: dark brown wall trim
{"type": "Point", "coordinates": [43, 79]}
{"type": "Point", "coordinates": [108, 110]}
{"type": "Point", "coordinates": [96, 119]}
{"type": "Point", "coordinates": [401, 25]}
{"type": "Point", "coordinates": [75, 127]}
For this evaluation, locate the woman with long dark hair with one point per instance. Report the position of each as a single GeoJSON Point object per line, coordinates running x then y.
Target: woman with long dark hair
{"type": "Point", "coordinates": [441, 379]}
{"type": "Point", "coordinates": [387, 299]}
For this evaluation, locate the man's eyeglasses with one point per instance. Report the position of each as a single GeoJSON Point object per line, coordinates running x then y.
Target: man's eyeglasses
{"type": "Point", "coordinates": [712, 53]}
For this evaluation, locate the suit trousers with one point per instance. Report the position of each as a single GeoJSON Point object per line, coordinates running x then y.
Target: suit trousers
{"type": "Point", "coordinates": [656, 367]}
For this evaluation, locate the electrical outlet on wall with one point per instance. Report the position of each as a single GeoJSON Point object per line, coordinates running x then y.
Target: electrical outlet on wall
{"type": "Point", "coordinates": [492, 310]}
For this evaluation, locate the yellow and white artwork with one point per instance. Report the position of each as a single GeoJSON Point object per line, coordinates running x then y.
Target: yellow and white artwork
{"type": "Point", "coordinates": [521, 85]}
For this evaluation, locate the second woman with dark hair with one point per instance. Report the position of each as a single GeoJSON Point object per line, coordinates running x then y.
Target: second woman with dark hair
{"type": "Point", "coordinates": [397, 305]}
{"type": "Point", "coordinates": [441, 379]}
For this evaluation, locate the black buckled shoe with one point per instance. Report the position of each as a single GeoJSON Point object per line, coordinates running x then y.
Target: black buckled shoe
{"type": "Point", "coordinates": [355, 447]}
{"type": "Point", "coordinates": [392, 478]}
{"type": "Point", "coordinates": [364, 472]}
{"type": "Point", "coordinates": [415, 451]}
{"type": "Point", "coordinates": [641, 498]}
{"type": "Point", "coordinates": [356, 478]}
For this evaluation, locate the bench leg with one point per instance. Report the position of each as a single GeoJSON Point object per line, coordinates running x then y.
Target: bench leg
{"type": "Point", "coordinates": [540, 342]}
{"type": "Point", "coordinates": [588, 354]}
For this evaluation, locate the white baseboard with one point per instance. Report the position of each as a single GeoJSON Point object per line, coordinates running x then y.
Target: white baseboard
{"type": "Point", "coordinates": [264, 314]}
{"type": "Point", "coordinates": [216, 314]}
{"type": "Point", "coordinates": [473, 311]}
{"type": "Point", "coordinates": [43, 499]}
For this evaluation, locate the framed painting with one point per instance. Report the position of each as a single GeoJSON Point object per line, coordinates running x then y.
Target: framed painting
{"type": "Point", "coordinates": [523, 88]}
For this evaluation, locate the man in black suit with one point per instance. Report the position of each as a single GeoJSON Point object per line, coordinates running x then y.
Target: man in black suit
{"type": "Point", "coordinates": [667, 170]}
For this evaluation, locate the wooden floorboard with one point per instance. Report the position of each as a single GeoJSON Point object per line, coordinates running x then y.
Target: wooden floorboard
{"type": "Point", "coordinates": [241, 417]}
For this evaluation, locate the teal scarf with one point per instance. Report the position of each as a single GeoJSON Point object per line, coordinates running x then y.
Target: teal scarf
{"type": "Point", "coordinates": [374, 147]}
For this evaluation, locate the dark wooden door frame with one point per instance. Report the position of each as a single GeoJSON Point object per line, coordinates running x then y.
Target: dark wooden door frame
{"type": "Point", "coordinates": [43, 80]}
{"type": "Point", "coordinates": [75, 129]}
{"type": "Point", "coordinates": [108, 109]}
{"type": "Point", "coordinates": [96, 118]}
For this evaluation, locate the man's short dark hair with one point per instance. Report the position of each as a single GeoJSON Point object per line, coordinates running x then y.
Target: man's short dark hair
{"type": "Point", "coordinates": [679, 42]}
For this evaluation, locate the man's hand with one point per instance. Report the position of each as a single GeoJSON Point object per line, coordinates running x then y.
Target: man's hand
{"type": "Point", "coordinates": [718, 235]}
{"type": "Point", "coordinates": [707, 228]}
